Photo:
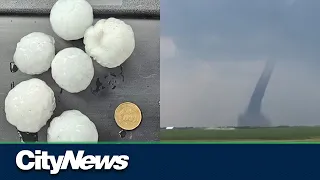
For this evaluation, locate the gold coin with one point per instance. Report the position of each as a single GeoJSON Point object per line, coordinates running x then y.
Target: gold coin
{"type": "Point", "coordinates": [128, 116]}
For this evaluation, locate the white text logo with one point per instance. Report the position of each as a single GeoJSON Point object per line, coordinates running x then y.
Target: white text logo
{"type": "Point", "coordinates": [40, 160]}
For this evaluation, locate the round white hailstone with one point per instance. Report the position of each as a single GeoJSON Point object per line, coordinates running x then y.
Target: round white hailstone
{"type": "Point", "coordinates": [70, 18]}
{"type": "Point", "coordinates": [110, 42]}
{"type": "Point", "coordinates": [72, 70]}
{"type": "Point", "coordinates": [34, 53]}
{"type": "Point", "coordinates": [29, 105]}
{"type": "Point", "coordinates": [72, 126]}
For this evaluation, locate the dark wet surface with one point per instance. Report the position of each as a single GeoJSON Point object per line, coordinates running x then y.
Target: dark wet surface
{"type": "Point", "coordinates": [122, 133]}
{"type": "Point", "coordinates": [12, 85]}
{"type": "Point", "coordinates": [28, 137]}
{"type": "Point", "coordinates": [13, 67]}
{"type": "Point", "coordinates": [98, 87]}
{"type": "Point", "coordinates": [109, 80]}
{"type": "Point", "coordinates": [121, 73]}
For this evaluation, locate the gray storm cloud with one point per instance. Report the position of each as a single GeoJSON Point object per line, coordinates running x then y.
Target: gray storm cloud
{"type": "Point", "coordinates": [214, 53]}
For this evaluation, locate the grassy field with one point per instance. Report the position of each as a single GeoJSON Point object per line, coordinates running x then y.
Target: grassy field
{"type": "Point", "coordinates": [243, 134]}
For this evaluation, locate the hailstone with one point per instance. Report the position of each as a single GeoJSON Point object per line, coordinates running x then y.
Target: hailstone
{"type": "Point", "coordinates": [34, 53]}
{"type": "Point", "coordinates": [29, 105]}
{"type": "Point", "coordinates": [70, 18]}
{"type": "Point", "coordinates": [72, 70]}
{"type": "Point", "coordinates": [110, 42]}
{"type": "Point", "coordinates": [72, 126]}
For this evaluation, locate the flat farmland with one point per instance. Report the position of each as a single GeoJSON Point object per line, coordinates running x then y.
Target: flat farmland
{"type": "Point", "coordinates": [243, 134]}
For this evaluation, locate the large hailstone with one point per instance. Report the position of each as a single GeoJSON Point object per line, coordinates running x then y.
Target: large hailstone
{"type": "Point", "coordinates": [34, 53]}
{"type": "Point", "coordinates": [72, 70]}
{"type": "Point", "coordinates": [70, 18]}
{"type": "Point", "coordinates": [29, 105]}
{"type": "Point", "coordinates": [72, 126]}
{"type": "Point", "coordinates": [110, 42]}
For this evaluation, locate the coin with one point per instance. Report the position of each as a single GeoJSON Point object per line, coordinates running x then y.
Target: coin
{"type": "Point", "coordinates": [128, 116]}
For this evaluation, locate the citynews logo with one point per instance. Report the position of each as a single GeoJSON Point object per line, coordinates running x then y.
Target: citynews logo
{"type": "Point", "coordinates": [40, 160]}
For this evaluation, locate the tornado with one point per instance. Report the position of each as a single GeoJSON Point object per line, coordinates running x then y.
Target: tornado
{"type": "Point", "coordinates": [253, 116]}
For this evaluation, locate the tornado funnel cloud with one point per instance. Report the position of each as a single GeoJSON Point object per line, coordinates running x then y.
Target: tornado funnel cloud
{"type": "Point", "coordinates": [253, 116]}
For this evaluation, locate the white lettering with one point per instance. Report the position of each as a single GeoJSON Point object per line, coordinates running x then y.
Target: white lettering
{"type": "Point", "coordinates": [74, 162]}
{"type": "Point", "coordinates": [19, 160]}
{"type": "Point", "coordinates": [88, 162]}
{"type": "Point", "coordinates": [106, 162]}
{"type": "Point", "coordinates": [43, 161]}
{"type": "Point", "coordinates": [37, 160]}
{"type": "Point", "coordinates": [56, 164]}
{"type": "Point", "coordinates": [122, 162]}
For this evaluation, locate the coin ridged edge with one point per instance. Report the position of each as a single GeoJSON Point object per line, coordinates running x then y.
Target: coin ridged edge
{"type": "Point", "coordinates": [119, 124]}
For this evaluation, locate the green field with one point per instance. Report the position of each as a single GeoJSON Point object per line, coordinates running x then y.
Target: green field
{"type": "Point", "coordinates": [243, 134]}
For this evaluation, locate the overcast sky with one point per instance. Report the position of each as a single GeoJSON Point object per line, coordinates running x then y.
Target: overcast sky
{"type": "Point", "coordinates": [214, 51]}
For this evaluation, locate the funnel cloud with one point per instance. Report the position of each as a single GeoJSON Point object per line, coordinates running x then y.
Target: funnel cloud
{"type": "Point", "coordinates": [253, 116]}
